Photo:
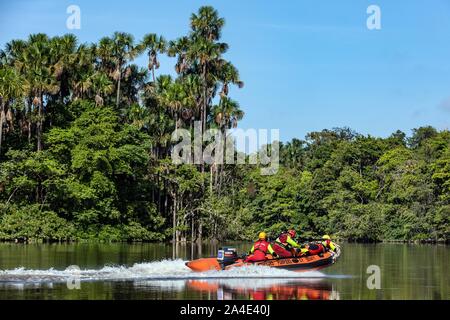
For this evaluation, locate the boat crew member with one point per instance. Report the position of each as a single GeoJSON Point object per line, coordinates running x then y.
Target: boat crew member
{"type": "Point", "coordinates": [285, 245]}
{"type": "Point", "coordinates": [260, 249]}
{"type": "Point", "coordinates": [328, 244]}
{"type": "Point", "coordinates": [322, 247]}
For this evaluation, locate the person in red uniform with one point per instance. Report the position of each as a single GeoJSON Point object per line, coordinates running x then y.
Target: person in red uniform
{"type": "Point", "coordinates": [324, 246]}
{"type": "Point", "coordinates": [285, 244]}
{"type": "Point", "coordinates": [260, 249]}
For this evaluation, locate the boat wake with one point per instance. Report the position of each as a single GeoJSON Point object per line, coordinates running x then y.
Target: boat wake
{"type": "Point", "coordinates": [156, 270]}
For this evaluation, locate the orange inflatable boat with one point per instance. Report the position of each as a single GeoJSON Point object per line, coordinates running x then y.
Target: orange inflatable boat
{"type": "Point", "coordinates": [227, 259]}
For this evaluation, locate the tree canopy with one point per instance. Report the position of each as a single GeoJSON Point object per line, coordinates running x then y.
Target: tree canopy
{"type": "Point", "coordinates": [85, 143]}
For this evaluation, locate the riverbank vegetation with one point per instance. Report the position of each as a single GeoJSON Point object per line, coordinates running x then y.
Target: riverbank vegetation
{"type": "Point", "coordinates": [85, 143]}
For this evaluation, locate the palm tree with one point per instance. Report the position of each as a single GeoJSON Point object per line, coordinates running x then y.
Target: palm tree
{"type": "Point", "coordinates": [12, 87]}
{"type": "Point", "coordinates": [40, 76]}
{"type": "Point", "coordinates": [83, 69]}
{"type": "Point", "coordinates": [63, 52]}
{"type": "Point", "coordinates": [82, 86]}
{"type": "Point", "coordinates": [160, 120]}
{"type": "Point", "coordinates": [103, 51]}
{"type": "Point", "coordinates": [207, 23]}
{"type": "Point", "coordinates": [13, 53]}
{"type": "Point", "coordinates": [15, 56]}
{"type": "Point", "coordinates": [174, 98]}
{"type": "Point", "coordinates": [205, 53]}
{"type": "Point", "coordinates": [292, 154]}
{"type": "Point", "coordinates": [134, 81]}
{"type": "Point", "coordinates": [115, 53]}
{"type": "Point", "coordinates": [228, 111]}
{"type": "Point", "coordinates": [192, 87]}
{"type": "Point", "coordinates": [206, 30]}
{"type": "Point", "coordinates": [101, 86]}
{"type": "Point", "coordinates": [198, 52]}
{"type": "Point", "coordinates": [154, 44]}
{"type": "Point", "coordinates": [179, 48]}
{"type": "Point", "coordinates": [226, 115]}
{"type": "Point", "coordinates": [138, 116]}
{"type": "Point", "coordinates": [227, 74]}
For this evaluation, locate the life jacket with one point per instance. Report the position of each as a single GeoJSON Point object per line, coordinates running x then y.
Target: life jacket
{"type": "Point", "coordinates": [316, 248]}
{"type": "Point", "coordinates": [282, 238]}
{"type": "Point", "coordinates": [261, 245]}
{"type": "Point", "coordinates": [282, 241]}
{"type": "Point", "coordinates": [328, 245]}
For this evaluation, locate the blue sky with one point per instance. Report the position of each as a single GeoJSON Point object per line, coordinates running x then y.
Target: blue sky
{"type": "Point", "coordinates": [307, 65]}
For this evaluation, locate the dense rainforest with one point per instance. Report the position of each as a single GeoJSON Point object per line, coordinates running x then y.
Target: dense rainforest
{"type": "Point", "coordinates": [85, 144]}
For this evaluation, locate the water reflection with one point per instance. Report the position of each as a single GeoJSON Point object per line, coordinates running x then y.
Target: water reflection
{"type": "Point", "coordinates": [252, 289]}
{"type": "Point", "coordinates": [266, 289]}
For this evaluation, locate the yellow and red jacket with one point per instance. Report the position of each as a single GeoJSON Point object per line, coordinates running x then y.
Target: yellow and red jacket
{"type": "Point", "coordinates": [285, 240]}
{"type": "Point", "coordinates": [329, 244]}
{"type": "Point", "coordinates": [263, 246]}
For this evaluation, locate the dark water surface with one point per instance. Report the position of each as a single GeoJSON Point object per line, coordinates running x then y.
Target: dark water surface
{"type": "Point", "coordinates": [148, 271]}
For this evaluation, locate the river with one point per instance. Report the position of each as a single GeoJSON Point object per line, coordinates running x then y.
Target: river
{"type": "Point", "coordinates": [148, 271]}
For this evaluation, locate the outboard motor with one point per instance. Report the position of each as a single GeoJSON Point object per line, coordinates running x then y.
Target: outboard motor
{"type": "Point", "coordinates": [226, 256]}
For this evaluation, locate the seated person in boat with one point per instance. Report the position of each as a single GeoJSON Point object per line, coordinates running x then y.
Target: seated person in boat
{"type": "Point", "coordinates": [260, 249]}
{"type": "Point", "coordinates": [285, 245]}
{"type": "Point", "coordinates": [328, 244]}
{"type": "Point", "coordinates": [322, 247]}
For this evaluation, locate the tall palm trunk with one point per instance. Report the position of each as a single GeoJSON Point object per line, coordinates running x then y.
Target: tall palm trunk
{"type": "Point", "coordinates": [192, 236]}
{"type": "Point", "coordinates": [29, 131]}
{"type": "Point", "coordinates": [204, 113]}
{"type": "Point", "coordinates": [223, 129]}
{"type": "Point", "coordinates": [174, 217]}
{"type": "Point", "coordinates": [205, 99]}
{"type": "Point", "coordinates": [118, 90]}
{"type": "Point", "coordinates": [28, 113]}
{"type": "Point", "coordinates": [200, 232]}
{"type": "Point", "coordinates": [211, 179]}
{"type": "Point", "coordinates": [176, 122]}
{"type": "Point", "coordinates": [29, 125]}
{"type": "Point", "coordinates": [2, 120]}
{"type": "Point", "coordinates": [40, 124]}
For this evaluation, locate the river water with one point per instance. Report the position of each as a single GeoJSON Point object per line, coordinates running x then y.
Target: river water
{"type": "Point", "coordinates": [157, 271]}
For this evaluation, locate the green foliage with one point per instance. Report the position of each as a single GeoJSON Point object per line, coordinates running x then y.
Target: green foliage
{"type": "Point", "coordinates": [354, 187]}
{"type": "Point", "coordinates": [32, 223]}
{"type": "Point", "coordinates": [85, 143]}
{"type": "Point", "coordinates": [86, 179]}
